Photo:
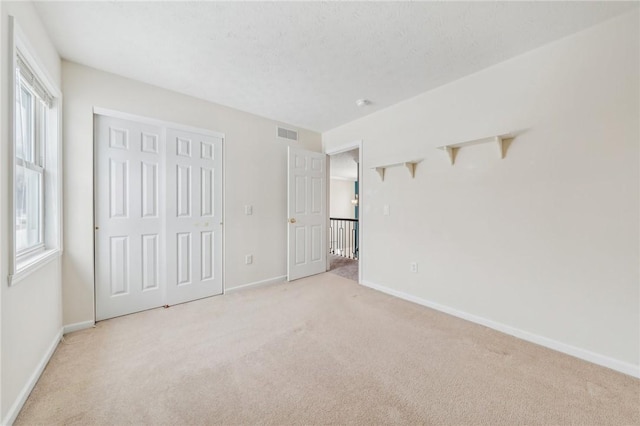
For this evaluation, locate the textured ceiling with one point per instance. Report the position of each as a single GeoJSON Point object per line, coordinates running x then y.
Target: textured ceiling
{"type": "Point", "coordinates": [344, 165]}
{"type": "Point", "coordinates": [305, 63]}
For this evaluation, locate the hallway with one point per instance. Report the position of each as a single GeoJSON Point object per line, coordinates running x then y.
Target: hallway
{"type": "Point", "coordinates": [346, 268]}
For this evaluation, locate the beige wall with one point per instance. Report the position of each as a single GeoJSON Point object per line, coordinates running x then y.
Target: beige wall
{"type": "Point", "coordinates": [342, 192]}
{"type": "Point", "coordinates": [255, 174]}
{"type": "Point", "coordinates": [544, 242]}
{"type": "Point", "coordinates": [30, 311]}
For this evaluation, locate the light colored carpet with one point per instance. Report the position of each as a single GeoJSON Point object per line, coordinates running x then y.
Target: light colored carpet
{"type": "Point", "coordinates": [347, 268]}
{"type": "Point", "coordinates": [321, 350]}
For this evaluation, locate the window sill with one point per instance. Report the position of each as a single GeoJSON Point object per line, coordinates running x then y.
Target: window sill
{"type": "Point", "coordinates": [29, 265]}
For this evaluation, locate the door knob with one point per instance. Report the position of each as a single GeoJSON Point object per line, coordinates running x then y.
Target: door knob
{"type": "Point", "coordinates": [292, 220]}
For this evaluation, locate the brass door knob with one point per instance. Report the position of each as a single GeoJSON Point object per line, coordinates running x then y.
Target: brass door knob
{"type": "Point", "coordinates": [292, 220]}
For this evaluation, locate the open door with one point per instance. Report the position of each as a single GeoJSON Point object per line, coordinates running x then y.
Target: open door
{"type": "Point", "coordinates": [307, 210]}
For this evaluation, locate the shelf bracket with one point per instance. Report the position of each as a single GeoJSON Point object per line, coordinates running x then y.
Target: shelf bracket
{"type": "Point", "coordinates": [412, 168]}
{"type": "Point", "coordinates": [380, 171]}
{"type": "Point", "coordinates": [499, 142]}
{"type": "Point", "coordinates": [450, 151]}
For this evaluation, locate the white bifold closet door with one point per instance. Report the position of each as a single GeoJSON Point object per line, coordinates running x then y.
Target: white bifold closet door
{"type": "Point", "coordinates": [158, 216]}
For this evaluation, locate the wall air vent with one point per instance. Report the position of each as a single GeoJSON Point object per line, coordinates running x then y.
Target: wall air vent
{"type": "Point", "coordinates": [287, 134]}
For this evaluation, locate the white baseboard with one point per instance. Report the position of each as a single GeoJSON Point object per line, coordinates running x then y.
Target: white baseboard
{"type": "Point", "coordinates": [70, 328]}
{"type": "Point", "coordinates": [28, 387]}
{"type": "Point", "coordinates": [603, 360]}
{"type": "Point", "coordinates": [268, 281]}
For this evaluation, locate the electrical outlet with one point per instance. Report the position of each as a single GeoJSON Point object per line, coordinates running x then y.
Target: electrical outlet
{"type": "Point", "coordinates": [248, 210]}
{"type": "Point", "coordinates": [413, 266]}
{"type": "Point", "coordinates": [248, 259]}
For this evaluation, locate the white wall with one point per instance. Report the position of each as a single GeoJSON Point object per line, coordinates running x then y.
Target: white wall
{"type": "Point", "coordinates": [30, 311]}
{"type": "Point", "coordinates": [342, 192]}
{"type": "Point", "coordinates": [255, 173]}
{"type": "Point", "coordinates": [544, 241]}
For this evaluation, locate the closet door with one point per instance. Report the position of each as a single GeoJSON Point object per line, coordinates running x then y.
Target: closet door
{"type": "Point", "coordinates": [194, 216]}
{"type": "Point", "coordinates": [129, 208]}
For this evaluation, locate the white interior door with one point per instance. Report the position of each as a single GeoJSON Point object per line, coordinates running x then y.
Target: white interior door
{"type": "Point", "coordinates": [158, 216]}
{"type": "Point", "coordinates": [307, 210]}
{"type": "Point", "coordinates": [194, 216]}
{"type": "Point", "coordinates": [129, 224]}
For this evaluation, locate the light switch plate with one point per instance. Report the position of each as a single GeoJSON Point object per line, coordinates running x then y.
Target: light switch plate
{"type": "Point", "coordinates": [248, 210]}
{"type": "Point", "coordinates": [385, 210]}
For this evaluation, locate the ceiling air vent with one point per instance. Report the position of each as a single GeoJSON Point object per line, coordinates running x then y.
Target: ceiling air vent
{"type": "Point", "coordinates": [287, 134]}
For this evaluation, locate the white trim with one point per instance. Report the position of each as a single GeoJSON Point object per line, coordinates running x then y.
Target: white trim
{"type": "Point", "coordinates": [344, 148]}
{"type": "Point", "coordinates": [32, 264]}
{"type": "Point", "coordinates": [13, 30]}
{"type": "Point", "coordinates": [94, 193]}
{"type": "Point", "coordinates": [28, 387]}
{"type": "Point", "coordinates": [59, 197]}
{"type": "Point", "coordinates": [70, 328]}
{"type": "Point", "coordinates": [155, 122]}
{"type": "Point", "coordinates": [586, 355]}
{"type": "Point", "coordinates": [223, 271]}
{"type": "Point", "coordinates": [275, 280]}
{"type": "Point", "coordinates": [342, 178]}
{"type": "Point", "coordinates": [357, 144]}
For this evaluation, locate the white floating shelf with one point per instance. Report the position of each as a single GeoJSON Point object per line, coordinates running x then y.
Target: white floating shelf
{"type": "Point", "coordinates": [410, 165]}
{"type": "Point", "coordinates": [498, 140]}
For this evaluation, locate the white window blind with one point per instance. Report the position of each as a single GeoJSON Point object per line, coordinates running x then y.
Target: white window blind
{"type": "Point", "coordinates": [28, 76]}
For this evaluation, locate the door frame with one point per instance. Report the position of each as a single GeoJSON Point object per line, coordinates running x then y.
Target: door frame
{"type": "Point", "coordinates": [356, 144]}
{"type": "Point", "coordinates": [163, 124]}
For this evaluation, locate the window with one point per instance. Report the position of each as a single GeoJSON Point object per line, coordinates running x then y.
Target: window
{"type": "Point", "coordinates": [36, 169]}
{"type": "Point", "coordinates": [30, 141]}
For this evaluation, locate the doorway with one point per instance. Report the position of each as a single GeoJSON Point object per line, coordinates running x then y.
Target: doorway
{"type": "Point", "coordinates": [345, 189]}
